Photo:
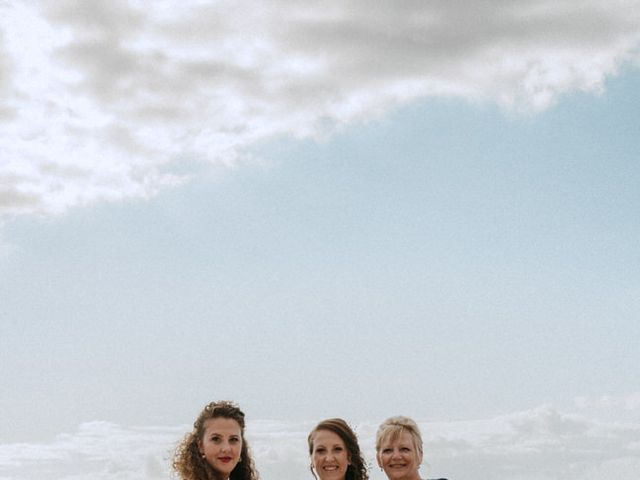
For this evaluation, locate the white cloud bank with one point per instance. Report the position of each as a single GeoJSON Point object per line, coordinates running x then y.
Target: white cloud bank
{"type": "Point", "coordinates": [540, 444]}
{"type": "Point", "coordinates": [104, 100]}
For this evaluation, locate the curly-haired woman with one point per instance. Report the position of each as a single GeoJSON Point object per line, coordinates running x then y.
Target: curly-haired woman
{"type": "Point", "coordinates": [216, 448]}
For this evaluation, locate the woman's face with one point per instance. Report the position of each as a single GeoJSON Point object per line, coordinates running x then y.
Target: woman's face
{"type": "Point", "coordinates": [399, 459]}
{"type": "Point", "coordinates": [221, 444]}
{"type": "Point", "coordinates": [329, 456]}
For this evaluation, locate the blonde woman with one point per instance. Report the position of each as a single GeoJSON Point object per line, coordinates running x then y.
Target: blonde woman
{"type": "Point", "coordinates": [399, 448]}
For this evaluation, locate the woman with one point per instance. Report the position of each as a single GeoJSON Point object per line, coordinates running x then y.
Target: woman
{"type": "Point", "coordinates": [335, 453]}
{"type": "Point", "coordinates": [215, 449]}
{"type": "Point", "coordinates": [399, 448]}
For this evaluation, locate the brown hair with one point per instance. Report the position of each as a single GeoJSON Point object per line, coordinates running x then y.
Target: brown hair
{"type": "Point", "coordinates": [357, 470]}
{"type": "Point", "coordinates": [187, 460]}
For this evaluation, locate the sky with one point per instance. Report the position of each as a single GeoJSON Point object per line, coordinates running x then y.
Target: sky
{"type": "Point", "coordinates": [344, 208]}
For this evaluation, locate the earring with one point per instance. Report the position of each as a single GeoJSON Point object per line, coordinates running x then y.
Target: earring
{"type": "Point", "coordinates": [203, 456]}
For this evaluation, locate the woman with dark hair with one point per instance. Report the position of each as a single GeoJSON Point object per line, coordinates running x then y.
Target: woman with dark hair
{"type": "Point", "coordinates": [335, 453]}
{"type": "Point", "coordinates": [215, 449]}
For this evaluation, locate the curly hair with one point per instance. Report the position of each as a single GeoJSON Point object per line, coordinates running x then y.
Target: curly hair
{"type": "Point", "coordinates": [357, 470]}
{"type": "Point", "coordinates": [187, 460]}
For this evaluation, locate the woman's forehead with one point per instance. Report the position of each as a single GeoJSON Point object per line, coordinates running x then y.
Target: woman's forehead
{"type": "Point", "coordinates": [221, 425]}
{"type": "Point", "coordinates": [398, 436]}
{"type": "Point", "coordinates": [326, 437]}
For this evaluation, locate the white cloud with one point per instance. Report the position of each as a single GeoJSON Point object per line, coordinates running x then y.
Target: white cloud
{"type": "Point", "coordinates": [542, 444]}
{"type": "Point", "coordinates": [103, 98]}
{"type": "Point", "coordinates": [98, 450]}
{"type": "Point", "coordinates": [630, 402]}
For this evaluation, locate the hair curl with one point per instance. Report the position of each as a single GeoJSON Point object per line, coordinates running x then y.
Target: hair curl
{"type": "Point", "coordinates": [187, 460]}
{"type": "Point", "coordinates": [357, 470]}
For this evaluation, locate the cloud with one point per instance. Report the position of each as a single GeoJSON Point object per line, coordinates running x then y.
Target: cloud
{"type": "Point", "coordinates": [629, 402]}
{"type": "Point", "coordinates": [538, 444]}
{"type": "Point", "coordinates": [99, 450]}
{"type": "Point", "coordinates": [542, 443]}
{"type": "Point", "coordinates": [105, 100]}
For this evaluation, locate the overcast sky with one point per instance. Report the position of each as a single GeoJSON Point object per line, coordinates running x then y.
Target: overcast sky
{"type": "Point", "coordinates": [338, 208]}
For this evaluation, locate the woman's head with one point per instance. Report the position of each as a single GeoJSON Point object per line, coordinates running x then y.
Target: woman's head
{"type": "Point", "coordinates": [216, 447]}
{"type": "Point", "coordinates": [335, 453]}
{"type": "Point", "coordinates": [399, 448]}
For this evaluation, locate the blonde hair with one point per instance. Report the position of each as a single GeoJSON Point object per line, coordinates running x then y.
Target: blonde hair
{"type": "Point", "coordinates": [391, 429]}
